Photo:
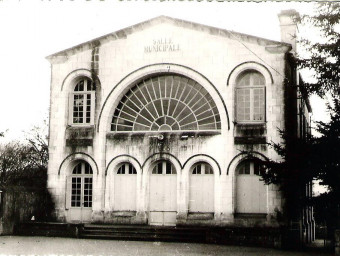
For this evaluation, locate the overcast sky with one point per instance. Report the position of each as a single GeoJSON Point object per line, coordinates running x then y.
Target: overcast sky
{"type": "Point", "coordinates": [31, 30]}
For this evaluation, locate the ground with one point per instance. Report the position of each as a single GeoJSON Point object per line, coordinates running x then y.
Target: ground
{"type": "Point", "coordinates": [15, 245]}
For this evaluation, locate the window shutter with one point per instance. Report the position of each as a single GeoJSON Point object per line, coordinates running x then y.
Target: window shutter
{"type": "Point", "coordinates": [70, 108]}
{"type": "Point", "coordinates": [258, 107]}
{"type": "Point", "coordinates": [264, 104]}
{"type": "Point", "coordinates": [243, 104]}
{"type": "Point", "coordinates": [93, 104]}
{"type": "Point", "coordinates": [235, 103]}
{"type": "Point", "coordinates": [68, 192]}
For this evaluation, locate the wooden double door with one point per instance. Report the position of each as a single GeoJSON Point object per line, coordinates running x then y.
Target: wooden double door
{"type": "Point", "coordinates": [163, 194]}
{"type": "Point", "coordinates": [79, 193]}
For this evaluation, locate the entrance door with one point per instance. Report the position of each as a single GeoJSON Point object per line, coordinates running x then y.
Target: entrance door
{"type": "Point", "coordinates": [163, 194]}
{"type": "Point", "coordinates": [79, 193]}
{"type": "Point", "coordinates": [125, 185]}
{"type": "Point", "coordinates": [201, 195]}
{"type": "Point", "coordinates": [251, 192]}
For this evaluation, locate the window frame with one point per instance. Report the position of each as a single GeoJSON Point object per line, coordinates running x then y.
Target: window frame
{"type": "Point", "coordinates": [81, 180]}
{"type": "Point", "coordinates": [254, 168]}
{"type": "Point", "coordinates": [85, 92]}
{"type": "Point", "coordinates": [251, 89]}
{"type": "Point", "coordinates": [203, 169]}
{"type": "Point", "coordinates": [124, 169]}
{"type": "Point", "coordinates": [165, 166]}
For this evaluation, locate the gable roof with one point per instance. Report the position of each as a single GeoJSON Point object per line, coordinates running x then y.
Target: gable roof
{"type": "Point", "coordinates": [123, 33]}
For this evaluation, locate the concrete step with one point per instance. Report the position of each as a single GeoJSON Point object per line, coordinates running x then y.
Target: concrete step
{"type": "Point", "coordinates": [254, 236]}
{"type": "Point", "coordinates": [153, 233]}
{"type": "Point", "coordinates": [139, 237]}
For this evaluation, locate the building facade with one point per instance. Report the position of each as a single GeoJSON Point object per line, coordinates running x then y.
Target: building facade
{"type": "Point", "coordinates": [161, 123]}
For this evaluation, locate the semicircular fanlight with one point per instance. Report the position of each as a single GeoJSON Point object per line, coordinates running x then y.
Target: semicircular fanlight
{"type": "Point", "coordinates": [166, 103]}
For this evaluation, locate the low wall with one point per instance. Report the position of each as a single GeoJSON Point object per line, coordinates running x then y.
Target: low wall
{"type": "Point", "coordinates": [248, 236]}
{"type": "Point", "coordinates": [33, 228]}
{"type": "Point", "coordinates": [20, 204]}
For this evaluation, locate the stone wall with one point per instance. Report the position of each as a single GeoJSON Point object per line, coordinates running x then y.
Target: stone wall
{"type": "Point", "coordinates": [210, 56]}
{"type": "Point", "coordinates": [20, 204]}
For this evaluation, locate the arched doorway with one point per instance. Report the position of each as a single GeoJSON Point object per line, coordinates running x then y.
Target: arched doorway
{"type": "Point", "coordinates": [251, 192]}
{"type": "Point", "coordinates": [79, 192]}
{"type": "Point", "coordinates": [125, 186]}
{"type": "Point", "coordinates": [163, 194]}
{"type": "Point", "coordinates": [201, 193]}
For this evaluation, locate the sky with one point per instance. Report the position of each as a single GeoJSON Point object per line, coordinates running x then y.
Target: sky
{"type": "Point", "coordinates": [30, 30]}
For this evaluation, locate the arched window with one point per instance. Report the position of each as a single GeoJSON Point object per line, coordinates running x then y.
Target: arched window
{"type": "Point", "coordinates": [82, 102]}
{"type": "Point", "coordinates": [126, 168]}
{"type": "Point", "coordinates": [166, 103]}
{"type": "Point", "coordinates": [202, 168]}
{"type": "Point", "coordinates": [250, 97]}
{"type": "Point", "coordinates": [249, 167]}
{"type": "Point", "coordinates": [163, 167]}
{"type": "Point", "coordinates": [81, 180]}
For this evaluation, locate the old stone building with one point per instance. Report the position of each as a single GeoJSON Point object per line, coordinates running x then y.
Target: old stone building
{"type": "Point", "coordinates": [151, 124]}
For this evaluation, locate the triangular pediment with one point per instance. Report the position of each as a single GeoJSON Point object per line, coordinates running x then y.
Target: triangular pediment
{"type": "Point", "coordinates": [124, 33]}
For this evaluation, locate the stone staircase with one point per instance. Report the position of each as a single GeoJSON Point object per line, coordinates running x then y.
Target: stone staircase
{"type": "Point", "coordinates": [260, 236]}
{"type": "Point", "coordinates": [144, 233]}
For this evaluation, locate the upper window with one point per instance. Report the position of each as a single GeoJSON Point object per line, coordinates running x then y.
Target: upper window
{"type": "Point", "coordinates": [126, 168]}
{"type": "Point", "coordinates": [250, 97]}
{"type": "Point", "coordinates": [164, 167]}
{"type": "Point", "coordinates": [202, 168]}
{"type": "Point", "coordinates": [166, 103]}
{"type": "Point", "coordinates": [82, 168]}
{"type": "Point", "coordinates": [249, 167]}
{"type": "Point", "coordinates": [82, 102]}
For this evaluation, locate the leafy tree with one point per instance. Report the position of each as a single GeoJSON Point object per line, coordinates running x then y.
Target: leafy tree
{"type": "Point", "coordinates": [323, 53]}
{"type": "Point", "coordinates": [318, 157]}
{"type": "Point", "coordinates": [326, 165]}
{"type": "Point", "coordinates": [23, 179]}
{"type": "Point", "coordinates": [38, 141]}
{"type": "Point", "coordinates": [291, 174]}
{"type": "Point", "coordinates": [19, 159]}
{"type": "Point", "coordinates": [323, 59]}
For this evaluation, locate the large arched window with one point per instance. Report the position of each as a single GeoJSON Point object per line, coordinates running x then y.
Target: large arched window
{"type": "Point", "coordinates": [250, 97]}
{"type": "Point", "coordinates": [166, 103]}
{"type": "Point", "coordinates": [82, 101]}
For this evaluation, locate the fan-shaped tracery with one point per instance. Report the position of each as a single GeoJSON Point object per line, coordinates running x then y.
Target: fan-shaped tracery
{"type": "Point", "coordinates": [166, 103]}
